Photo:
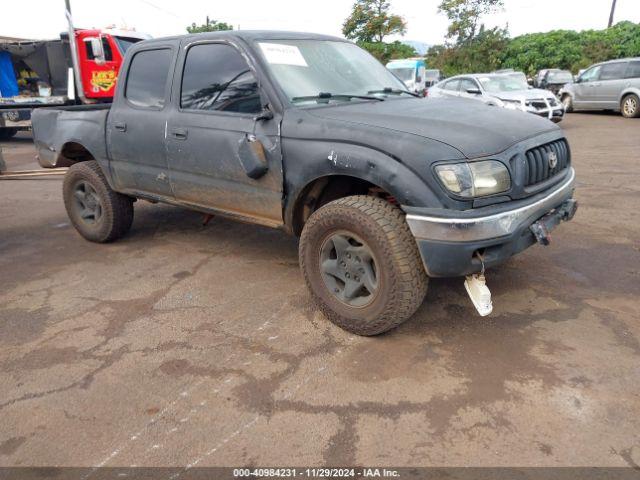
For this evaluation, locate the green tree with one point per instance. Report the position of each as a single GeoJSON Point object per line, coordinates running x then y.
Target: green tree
{"type": "Point", "coordinates": [209, 26]}
{"type": "Point", "coordinates": [370, 21]}
{"type": "Point", "coordinates": [465, 17]}
{"type": "Point", "coordinates": [571, 50]}
{"type": "Point", "coordinates": [483, 54]}
{"type": "Point", "coordinates": [388, 51]}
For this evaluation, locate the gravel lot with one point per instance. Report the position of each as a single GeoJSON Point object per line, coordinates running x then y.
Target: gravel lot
{"type": "Point", "coordinates": [183, 344]}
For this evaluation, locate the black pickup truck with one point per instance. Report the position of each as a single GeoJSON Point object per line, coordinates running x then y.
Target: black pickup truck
{"type": "Point", "coordinates": [311, 134]}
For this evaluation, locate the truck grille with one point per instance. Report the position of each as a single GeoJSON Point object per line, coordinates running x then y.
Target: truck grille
{"type": "Point", "coordinates": [537, 164]}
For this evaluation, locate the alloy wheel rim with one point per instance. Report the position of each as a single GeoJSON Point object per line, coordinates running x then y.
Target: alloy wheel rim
{"type": "Point", "coordinates": [349, 270]}
{"type": "Point", "coordinates": [87, 203]}
{"type": "Point", "coordinates": [630, 106]}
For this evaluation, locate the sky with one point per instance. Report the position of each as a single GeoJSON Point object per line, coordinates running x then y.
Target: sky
{"type": "Point", "coordinates": [45, 18]}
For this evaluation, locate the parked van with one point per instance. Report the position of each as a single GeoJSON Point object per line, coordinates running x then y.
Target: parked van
{"type": "Point", "coordinates": [412, 73]}
{"type": "Point", "coordinates": [612, 85]}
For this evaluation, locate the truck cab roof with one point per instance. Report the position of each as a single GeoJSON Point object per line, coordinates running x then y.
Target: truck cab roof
{"type": "Point", "coordinates": [249, 36]}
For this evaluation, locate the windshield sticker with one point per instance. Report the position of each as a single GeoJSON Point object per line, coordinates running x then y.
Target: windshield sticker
{"type": "Point", "coordinates": [277, 53]}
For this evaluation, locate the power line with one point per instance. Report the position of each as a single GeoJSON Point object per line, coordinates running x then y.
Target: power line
{"type": "Point", "coordinates": [161, 9]}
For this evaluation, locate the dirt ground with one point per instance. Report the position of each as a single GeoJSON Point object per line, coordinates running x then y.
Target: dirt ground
{"type": "Point", "coordinates": [190, 345]}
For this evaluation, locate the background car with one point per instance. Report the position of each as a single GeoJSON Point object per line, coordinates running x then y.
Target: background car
{"type": "Point", "coordinates": [507, 90]}
{"type": "Point", "coordinates": [554, 79]}
{"type": "Point", "coordinates": [612, 85]}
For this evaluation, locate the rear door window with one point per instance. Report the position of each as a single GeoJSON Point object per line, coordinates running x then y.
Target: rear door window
{"type": "Point", "coordinates": [633, 70]}
{"type": "Point", "coordinates": [147, 78]}
{"type": "Point", "coordinates": [613, 71]}
{"type": "Point", "coordinates": [216, 77]}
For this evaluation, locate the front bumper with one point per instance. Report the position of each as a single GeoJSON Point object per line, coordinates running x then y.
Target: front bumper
{"type": "Point", "coordinates": [448, 240]}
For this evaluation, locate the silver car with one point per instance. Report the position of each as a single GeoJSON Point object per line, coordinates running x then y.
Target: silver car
{"type": "Point", "coordinates": [613, 85]}
{"type": "Point", "coordinates": [507, 90]}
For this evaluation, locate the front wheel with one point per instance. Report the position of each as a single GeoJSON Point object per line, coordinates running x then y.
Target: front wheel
{"type": "Point", "coordinates": [362, 264]}
{"type": "Point", "coordinates": [630, 106]}
{"type": "Point", "coordinates": [97, 212]}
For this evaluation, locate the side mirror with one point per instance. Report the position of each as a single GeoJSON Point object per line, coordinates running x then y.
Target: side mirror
{"type": "Point", "coordinates": [474, 91]}
{"type": "Point", "coordinates": [265, 114]}
{"type": "Point", "coordinates": [97, 49]}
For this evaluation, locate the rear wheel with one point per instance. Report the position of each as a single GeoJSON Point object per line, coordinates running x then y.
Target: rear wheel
{"type": "Point", "coordinates": [97, 212]}
{"type": "Point", "coordinates": [362, 265]}
{"type": "Point", "coordinates": [630, 106]}
{"type": "Point", "coordinates": [6, 133]}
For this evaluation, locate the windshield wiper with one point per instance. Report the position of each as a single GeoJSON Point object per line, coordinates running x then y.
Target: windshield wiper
{"type": "Point", "coordinates": [331, 96]}
{"type": "Point", "coordinates": [395, 91]}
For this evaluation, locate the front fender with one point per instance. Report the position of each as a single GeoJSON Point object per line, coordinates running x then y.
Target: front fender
{"type": "Point", "coordinates": [307, 160]}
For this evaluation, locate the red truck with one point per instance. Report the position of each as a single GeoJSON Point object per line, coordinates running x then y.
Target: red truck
{"type": "Point", "coordinates": [79, 68]}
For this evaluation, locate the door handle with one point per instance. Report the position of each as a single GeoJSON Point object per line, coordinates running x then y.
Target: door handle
{"type": "Point", "coordinates": [120, 126]}
{"type": "Point", "coordinates": [179, 133]}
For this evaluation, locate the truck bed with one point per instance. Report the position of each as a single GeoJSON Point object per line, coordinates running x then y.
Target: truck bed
{"type": "Point", "coordinates": [57, 131]}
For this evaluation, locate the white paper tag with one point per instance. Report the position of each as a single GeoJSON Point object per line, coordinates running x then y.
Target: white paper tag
{"type": "Point", "coordinates": [278, 53]}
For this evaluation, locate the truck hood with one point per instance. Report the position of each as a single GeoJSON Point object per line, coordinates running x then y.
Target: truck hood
{"type": "Point", "coordinates": [469, 126]}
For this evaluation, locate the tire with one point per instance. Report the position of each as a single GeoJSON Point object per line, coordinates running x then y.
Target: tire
{"type": "Point", "coordinates": [97, 212]}
{"type": "Point", "coordinates": [567, 101]}
{"type": "Point", "coordinates": [7, 133]}
{"type": "Point", "coordinates": [393, 268]}
{"type": "Point", "coordinates": [630, 106]}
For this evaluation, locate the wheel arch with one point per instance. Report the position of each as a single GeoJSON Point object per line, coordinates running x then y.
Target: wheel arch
{"type": "Point", "coordinates": [628, 91]}
{"type": "Point", "coordinates": [326, 188]}
{"type": "Point", "coordinates": [346, 169]}
{"type": "Point", "coordinates": [73, 152]}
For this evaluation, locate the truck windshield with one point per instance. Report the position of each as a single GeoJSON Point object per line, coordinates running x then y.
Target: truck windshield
{"type": "Point", "coordinates": [307, 68]}
{"type": "Point", "coordinates": [432, 74]}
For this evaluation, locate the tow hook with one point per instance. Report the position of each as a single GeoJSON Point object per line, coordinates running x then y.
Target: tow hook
{"type": "Point", "coordinates": [539, 230]}
{"type": "Point", "coordinates": [563, 213]}
{"type": "Point", "coordinates": [478, 291]}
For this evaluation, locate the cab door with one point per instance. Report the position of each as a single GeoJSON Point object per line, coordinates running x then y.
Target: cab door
{"type": "Point", "coordinates": [220, 155]}
{"type": "Point", "coordinates": [585, 93]}
{"type": "Point", "coordinates": [99, 69]}
{"type": "Point", "coordinates": [136, 124]}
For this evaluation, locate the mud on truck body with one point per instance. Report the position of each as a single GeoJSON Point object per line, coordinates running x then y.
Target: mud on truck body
{"type": "Point", "coordinates": [310, 134]}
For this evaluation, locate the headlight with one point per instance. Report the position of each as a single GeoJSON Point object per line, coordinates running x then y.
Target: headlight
{"type": "Point", "coordinates": [475, 179]}
{"type": "Point", "coordinates": [512, 104]}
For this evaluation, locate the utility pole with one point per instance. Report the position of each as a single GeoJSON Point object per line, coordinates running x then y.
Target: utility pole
{"type": "Point", "coordinates": [74, 52]}
{"type": "Point", "coordinates": [613, 10]}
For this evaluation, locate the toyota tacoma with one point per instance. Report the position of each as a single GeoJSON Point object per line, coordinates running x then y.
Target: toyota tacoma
{"type": "Point", "coordinates": [310, 134]}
